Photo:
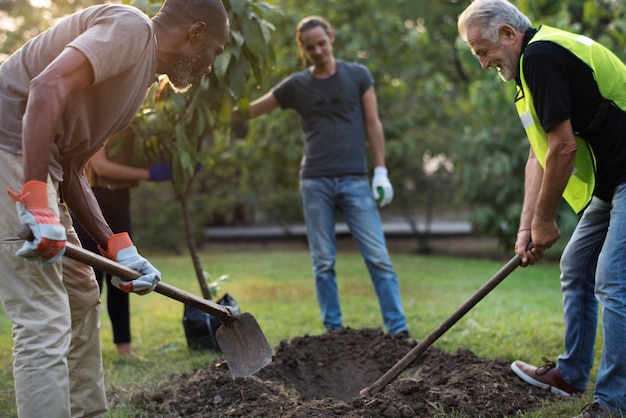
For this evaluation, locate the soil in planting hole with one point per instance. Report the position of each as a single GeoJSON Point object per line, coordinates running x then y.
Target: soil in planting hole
{"type": "Point", "coordinates": [322, 376]}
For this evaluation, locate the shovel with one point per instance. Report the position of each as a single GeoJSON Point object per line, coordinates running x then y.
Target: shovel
{"type": "Point", "coordinates": [419, 349]}
{"type": "Point", "coordinates": [240, 337]}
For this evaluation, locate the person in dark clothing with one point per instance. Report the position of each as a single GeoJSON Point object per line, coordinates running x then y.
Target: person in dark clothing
{"type": "Point", "coordinates": [112, 177]}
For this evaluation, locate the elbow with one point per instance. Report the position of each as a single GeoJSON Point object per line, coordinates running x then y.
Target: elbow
{"type": "Point", "coordinates": [568, 151]}
{"type": "Point", "coordinates": [45, 93]}
{"type": "Point", "coordinates": [562, 148]}
{"type": "Point", "coordinates": [374, 126]}
{"type": "Point", "coordinates": [42, 85]}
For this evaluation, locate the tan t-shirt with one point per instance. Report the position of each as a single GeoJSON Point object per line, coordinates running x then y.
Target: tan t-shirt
{"type": "Point", "coordinates": [119, 42]}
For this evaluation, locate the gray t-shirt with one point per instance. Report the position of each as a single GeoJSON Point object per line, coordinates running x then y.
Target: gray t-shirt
{"type": "Point", "coordinates": [119, 42]}
{"type": "Point", "coordinates": [331, 116]}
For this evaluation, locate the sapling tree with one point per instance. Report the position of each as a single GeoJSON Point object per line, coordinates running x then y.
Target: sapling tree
{"type": "Point", "coordinates": [192, 130]}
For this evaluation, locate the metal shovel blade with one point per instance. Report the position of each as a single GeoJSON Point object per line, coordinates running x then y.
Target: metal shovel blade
{"type": "Point", "coordinates": [244, 345]}
{"type": "Point", "coordinates": [240, 337]}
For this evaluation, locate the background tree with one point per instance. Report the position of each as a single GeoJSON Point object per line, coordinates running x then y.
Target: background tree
{"type": "Point", "coordinates": [21, 20]}
{"type": "Point", "coordinates": [413, 91]}
{"type": "Point", "coordinates": [454, 141]}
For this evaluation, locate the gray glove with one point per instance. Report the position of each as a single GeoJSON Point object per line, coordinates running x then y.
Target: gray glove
{"type": "Point", "coordinates": [122, 250]}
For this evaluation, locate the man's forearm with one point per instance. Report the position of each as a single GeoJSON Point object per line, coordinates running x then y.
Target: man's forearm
{"type": "Point", "coordinates": [376, 141]}
{"type": "Point", "coordinates": [79, 197]}
{"type": "Point", "coordinates": [532, 186]}
{"type": "Point", "coordinates": [39, 124]}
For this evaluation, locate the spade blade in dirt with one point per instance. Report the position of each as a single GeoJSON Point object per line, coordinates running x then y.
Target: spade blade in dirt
{"type": "Point", "coordinates": [244, 346]}
{"type": "Point", "coordinates": [240, 337]}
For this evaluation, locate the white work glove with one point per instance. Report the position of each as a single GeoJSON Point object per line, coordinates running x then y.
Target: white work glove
{"type": "Point", "coordinates": [122, 250]}
{"type": "Point", "coordinates": [381, 187]}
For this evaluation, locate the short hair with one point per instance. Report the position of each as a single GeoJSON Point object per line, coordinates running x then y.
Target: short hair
{"type": "Point", "coordinates": [307, 23]}
{"type": "Point", "coordinates": [183, 12]}
{"type": "Point", "coordinates": [489, 14]}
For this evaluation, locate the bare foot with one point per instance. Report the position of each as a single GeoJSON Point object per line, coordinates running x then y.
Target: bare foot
{"type": "Point", "coordinates": [124, 349]}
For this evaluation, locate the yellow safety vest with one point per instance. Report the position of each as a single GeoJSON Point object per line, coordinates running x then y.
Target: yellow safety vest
{"type": "Point", "coordinates": [607, 69]}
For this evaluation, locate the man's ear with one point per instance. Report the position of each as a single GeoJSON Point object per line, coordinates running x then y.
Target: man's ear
{"type": "Point", "coordinates": [197, 31]}
{"type": "Point", "coordinates": [507, 33]}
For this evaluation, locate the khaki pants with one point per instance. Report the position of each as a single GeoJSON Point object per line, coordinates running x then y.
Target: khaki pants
{"type": "Point", "coordinates": [57, 363]}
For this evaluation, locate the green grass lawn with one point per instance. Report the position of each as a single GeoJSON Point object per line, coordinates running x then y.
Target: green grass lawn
{"type": "Point", "coordinates": [521, 318]}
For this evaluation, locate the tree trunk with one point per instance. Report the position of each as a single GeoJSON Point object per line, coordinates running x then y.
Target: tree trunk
{"type": "Point", "coordinates": [193, 248]}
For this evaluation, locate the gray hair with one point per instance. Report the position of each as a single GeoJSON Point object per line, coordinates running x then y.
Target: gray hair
{"type": "Point", "coordinates": [489, 14]}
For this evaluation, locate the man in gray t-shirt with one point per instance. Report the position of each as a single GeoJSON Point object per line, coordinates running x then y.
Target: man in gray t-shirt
{"type": "Point", "coordinates": [61, 96]}
{"type": "Point", "coordinates": [338, 112]}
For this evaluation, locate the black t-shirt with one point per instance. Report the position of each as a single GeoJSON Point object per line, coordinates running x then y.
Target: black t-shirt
{"type": "Point", "coordinates": [331, 116]}
{"type": "Point", "coordinates": [563, 86]}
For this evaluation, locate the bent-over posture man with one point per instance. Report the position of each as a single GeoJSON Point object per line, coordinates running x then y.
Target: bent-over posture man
{"type": "Point", "coordinates": [61, 96]}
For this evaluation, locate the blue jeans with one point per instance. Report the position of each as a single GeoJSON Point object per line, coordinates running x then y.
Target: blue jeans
{"type": "Point", "coordinates": [593, 269]}
{"type": "Point", "coordinates": [352, 197]}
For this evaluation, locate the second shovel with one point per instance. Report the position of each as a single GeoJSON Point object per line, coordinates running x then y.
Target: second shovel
{"type": "Point", "coordinates": [419, 349]}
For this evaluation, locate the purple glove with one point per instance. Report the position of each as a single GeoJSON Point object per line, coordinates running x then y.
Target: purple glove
{"type": "Point", "coordinates": [161, 172]}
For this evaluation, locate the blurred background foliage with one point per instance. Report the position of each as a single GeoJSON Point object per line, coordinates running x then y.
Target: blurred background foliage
{"type": "Point", "coordinates": [455, 146]}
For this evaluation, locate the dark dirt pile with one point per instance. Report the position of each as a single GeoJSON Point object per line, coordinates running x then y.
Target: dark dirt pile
{"type": "Point", "coordinates": [321, 376]}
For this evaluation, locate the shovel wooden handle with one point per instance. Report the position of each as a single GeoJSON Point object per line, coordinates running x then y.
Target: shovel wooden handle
{"type": "Point", "coordinates": [99, 262]}
{"type": "Point", "coordinates": [240, 339]}
{"type": "Point", "coordinates": [78, 253]}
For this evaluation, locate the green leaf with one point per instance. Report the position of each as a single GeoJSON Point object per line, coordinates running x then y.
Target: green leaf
{"type": "Point", "coordinates": [221, 63]}
{"type": "Point", "coordinates": [141, 5]}
{"type": "Point", "coordinates": [237, 6]}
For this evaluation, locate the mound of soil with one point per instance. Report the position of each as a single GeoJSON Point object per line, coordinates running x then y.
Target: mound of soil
{"type": "Point", "coordinates": [322, 376]}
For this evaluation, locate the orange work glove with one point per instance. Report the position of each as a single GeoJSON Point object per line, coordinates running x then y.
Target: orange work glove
{"type": "Point", "coordinates": [48, 244]}
{"type": "Point", "coordinates": [122, 250]}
